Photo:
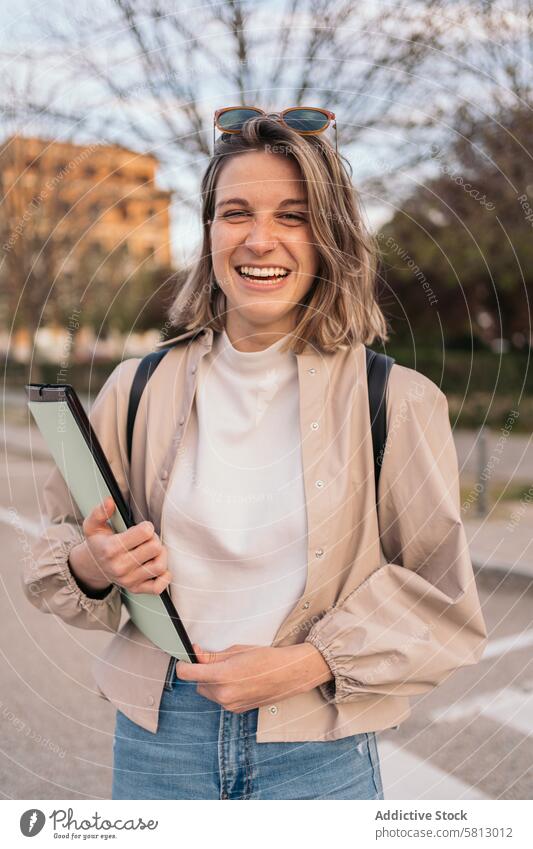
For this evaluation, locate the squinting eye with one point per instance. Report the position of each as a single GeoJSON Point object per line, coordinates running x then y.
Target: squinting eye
{"type": "Point", "coordinates": [239, 213]}
{"type": "Point", "coordinates": [293, 216]}
{"type": "Point", "coordinates": [233, 214]}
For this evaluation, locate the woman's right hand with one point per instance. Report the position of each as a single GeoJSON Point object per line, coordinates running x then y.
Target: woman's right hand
{"type": "Point", "coordinates": [134, 559]}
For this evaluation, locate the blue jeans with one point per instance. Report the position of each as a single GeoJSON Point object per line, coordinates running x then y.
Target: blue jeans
{"type": "Point", "coordinates": [201, 751]}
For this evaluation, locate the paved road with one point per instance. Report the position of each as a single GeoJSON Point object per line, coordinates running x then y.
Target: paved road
{"type": "Point", "coordinates": [470, 738]}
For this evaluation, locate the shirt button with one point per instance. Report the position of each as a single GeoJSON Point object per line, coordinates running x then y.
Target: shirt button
{"type": "Point", "coordinates": [164, 475]}
{"type": "Point", "coordinates": [319, 484]}
{"type": "Point", "coordinates": [182, 419]}
{"type": "Point", "coordinates": [314, 425]}
{"type": "Point", "coordinates": [319, 552]}
{"type": "Point", "coordinates": [193, 369]}
{"type": "Point", "coordinates": [273, 709]}
{"type": "Point", "coordinates": [305, 606]}
{"type": "Point", "coordinates": [311, 370]}
{"type": "Point", "coordinates": [150, 700]}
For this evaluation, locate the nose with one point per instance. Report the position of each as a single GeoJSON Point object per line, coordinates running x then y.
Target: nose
{"type": "Point", "coordinates": [260, 238]}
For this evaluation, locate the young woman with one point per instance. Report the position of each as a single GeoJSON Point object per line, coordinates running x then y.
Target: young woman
{"type": "Point", "coordinates": [314, 616]}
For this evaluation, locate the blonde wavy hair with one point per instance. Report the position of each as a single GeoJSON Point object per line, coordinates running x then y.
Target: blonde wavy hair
{"type": "Point", "coordinates": [340, 309]}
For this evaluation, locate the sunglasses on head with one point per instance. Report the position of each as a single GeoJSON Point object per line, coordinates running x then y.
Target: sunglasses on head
{"type": "Point", "coordinates": [306, 120]}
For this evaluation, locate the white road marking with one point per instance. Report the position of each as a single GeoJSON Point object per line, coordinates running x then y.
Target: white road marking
{"type": "Point", "coordinates": [514, 642]}
{"type": "Point", "coordinates": [406, 776]}
{"type": "Point", "coordinates": [510, 707]}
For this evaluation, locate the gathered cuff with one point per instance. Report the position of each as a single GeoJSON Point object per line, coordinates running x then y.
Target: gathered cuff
{"type": "Point", "coordinates": [341, 688]}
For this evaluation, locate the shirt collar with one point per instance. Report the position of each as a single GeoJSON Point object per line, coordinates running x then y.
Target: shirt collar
{"type": "Point", "coordinates": [207, 336]}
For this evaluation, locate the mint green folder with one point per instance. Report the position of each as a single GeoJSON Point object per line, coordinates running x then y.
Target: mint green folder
{"type": "Point", "coordinates": [74, 446]}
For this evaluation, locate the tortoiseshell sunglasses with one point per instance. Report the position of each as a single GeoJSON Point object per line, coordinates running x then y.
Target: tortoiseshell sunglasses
{"type": "Point", "coordinates": [306, 120]}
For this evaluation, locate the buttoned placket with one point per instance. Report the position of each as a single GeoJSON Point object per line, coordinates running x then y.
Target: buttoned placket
{"type": "Point", "coordinates": [312, 383]}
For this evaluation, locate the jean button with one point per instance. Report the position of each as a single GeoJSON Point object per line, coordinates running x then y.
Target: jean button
{"type": "Point", "coordinates": [273, 709]}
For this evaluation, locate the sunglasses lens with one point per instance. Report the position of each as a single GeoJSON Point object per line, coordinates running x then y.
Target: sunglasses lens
{"type": "Point", "coordinates": [305, 120]}
{"type": "Point", "coordinates": [233, 119]}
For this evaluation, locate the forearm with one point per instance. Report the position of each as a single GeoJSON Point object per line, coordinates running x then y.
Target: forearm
{"type": "Point", "coordinates": [313, 669]}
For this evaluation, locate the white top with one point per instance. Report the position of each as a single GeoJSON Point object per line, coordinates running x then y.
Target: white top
{"type": "Point", "coordinates": [234, 518]}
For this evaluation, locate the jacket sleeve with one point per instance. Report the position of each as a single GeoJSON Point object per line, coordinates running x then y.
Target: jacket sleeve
{"type": "Point", "coordinates": [417, 617]}
{"type": "Point", "coordinates": [47, 580]}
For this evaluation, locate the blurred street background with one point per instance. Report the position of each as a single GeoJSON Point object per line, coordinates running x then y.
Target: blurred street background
{"type": "Point", "coordinates": [106, 119]}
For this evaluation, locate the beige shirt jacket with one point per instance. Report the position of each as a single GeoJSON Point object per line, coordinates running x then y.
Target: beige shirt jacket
{"type": "Point", "coordinates": [391, 621]}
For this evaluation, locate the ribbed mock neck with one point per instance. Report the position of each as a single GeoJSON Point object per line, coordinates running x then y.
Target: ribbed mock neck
{"type": "Point", "coordinates": [250, 361]}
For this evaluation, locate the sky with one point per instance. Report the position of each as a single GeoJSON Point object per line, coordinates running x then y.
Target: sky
{"type": "Point", "coordinates": [23, 31]}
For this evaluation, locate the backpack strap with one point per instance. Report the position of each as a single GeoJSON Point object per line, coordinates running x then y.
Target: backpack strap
{"type": "Point", "coordinates": [145, 370]}
{"type": "Point", "coordinates": [378, 368]}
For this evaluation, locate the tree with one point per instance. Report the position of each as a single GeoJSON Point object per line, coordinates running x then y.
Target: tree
{"type": "Point", "coordinates": [152, 72]}
{"type": "Point", "coordinates": [469, 233]}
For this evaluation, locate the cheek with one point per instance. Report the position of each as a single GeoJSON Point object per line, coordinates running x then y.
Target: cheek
{"type": "Point", "coordinates": [223, 240]}
{"type": "Point", "coordinates": [304, 247]}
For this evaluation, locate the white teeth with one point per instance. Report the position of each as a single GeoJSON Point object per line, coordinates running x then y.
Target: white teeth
{"type": "Point", "coordinates": [251, 271]}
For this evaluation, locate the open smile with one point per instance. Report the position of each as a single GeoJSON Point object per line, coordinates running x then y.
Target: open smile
{"type": "Point", "coordinates": [263, 277]}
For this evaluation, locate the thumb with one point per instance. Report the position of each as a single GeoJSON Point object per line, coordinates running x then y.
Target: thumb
{"type": "Point", "coordinates": [206, 656]}
{"type": "Point", "coordinates": [96, 521]}
{"type": "Point", "coordinates": [218, 656]}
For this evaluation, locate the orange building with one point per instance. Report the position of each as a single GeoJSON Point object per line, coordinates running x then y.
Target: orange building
{"type": "Point", "coordinates": [101, 196]}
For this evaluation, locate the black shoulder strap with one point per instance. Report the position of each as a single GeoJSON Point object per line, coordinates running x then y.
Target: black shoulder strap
{"type": "Point", "coordinates": [145, 370]}
{"type": "Point", "coordinates": [378, 367]}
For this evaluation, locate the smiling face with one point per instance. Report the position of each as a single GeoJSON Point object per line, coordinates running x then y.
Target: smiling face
{"type": "Point", "coordinates": [261, 225]}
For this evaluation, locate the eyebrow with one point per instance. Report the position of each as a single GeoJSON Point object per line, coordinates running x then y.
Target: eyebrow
{"type": "Point", "coordinates": [244, 202]}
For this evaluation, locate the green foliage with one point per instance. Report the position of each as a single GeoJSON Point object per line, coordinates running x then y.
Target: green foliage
{"type": "Point", "coordinates": [468, 233]}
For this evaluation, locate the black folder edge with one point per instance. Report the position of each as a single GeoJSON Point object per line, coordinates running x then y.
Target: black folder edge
{"type": "Point", "coordinates": [65, 392]}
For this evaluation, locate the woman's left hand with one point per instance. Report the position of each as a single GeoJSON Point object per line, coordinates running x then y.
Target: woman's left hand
{"type": "Point", "coordinates": [244, 677]}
